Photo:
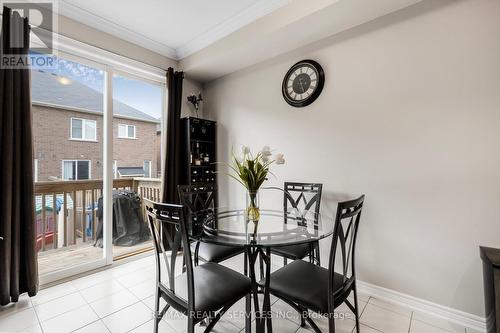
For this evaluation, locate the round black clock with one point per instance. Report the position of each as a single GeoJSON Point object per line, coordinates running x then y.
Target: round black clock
{"type": "Point", "coordinates": [303, 83]}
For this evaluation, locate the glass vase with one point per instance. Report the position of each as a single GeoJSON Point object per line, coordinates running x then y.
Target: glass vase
{"type": "Point", "coordinates": [253, 212]}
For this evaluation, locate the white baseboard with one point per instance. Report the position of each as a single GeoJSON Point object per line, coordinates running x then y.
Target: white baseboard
{"type": "Point", "coordinates": [452, 315]}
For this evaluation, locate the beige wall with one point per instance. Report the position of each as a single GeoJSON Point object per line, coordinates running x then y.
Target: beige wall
{"type": "Point", "coordinates": [409, 116]}
{"type": "Point", "coordinates": [191, 87]}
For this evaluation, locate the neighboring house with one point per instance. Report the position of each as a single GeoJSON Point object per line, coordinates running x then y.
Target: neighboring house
{"type": "Point", "coordinates": [67, 129]}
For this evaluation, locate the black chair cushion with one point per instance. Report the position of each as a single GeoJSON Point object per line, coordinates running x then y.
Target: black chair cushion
{"type": "Point", "coordinates": [304, 283]}
{"type": "Point", "coordinates": [215, 253]}
{"type": "Point", "coordinates": [293, 251]}
{"type": "Point", "coordinates": [214, 286]}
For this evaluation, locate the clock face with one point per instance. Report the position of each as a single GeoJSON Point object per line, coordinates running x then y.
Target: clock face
{"type": "Point", "coordinates": [303, 83]}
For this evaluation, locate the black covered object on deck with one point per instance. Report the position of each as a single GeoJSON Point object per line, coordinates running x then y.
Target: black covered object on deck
{"type": "Point", "coordinates": [128, 225]}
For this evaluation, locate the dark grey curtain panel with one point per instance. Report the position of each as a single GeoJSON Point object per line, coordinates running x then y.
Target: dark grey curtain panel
{"type": "Point", "coordinates": [18, 256]}
{"type": "Point", "coordinates": [172, 164]}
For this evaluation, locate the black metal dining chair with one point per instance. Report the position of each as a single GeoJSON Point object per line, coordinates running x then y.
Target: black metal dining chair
{"type": "Point", "coordinates": [200, 200]}
{"type": "Point", "coordinates": [201, 292]}
{"type": "Point", "coordinates": [305, 197]}
{"type": "Point", "coordinates": [306, 286]}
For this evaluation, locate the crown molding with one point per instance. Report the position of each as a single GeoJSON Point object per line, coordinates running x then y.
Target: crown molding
{"type": "Point", "coordinates": [250, 14]}
{"type": "Point", "coordinates": [246, 16]}
{"type": "Point", "coordinates": [103, 57]}
{"type": "Point", "coordinates": [95, 21]}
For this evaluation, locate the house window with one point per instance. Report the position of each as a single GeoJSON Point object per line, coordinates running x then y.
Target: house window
{"type": "Point", "coordinates": [76, 169]}
{"type": "Point", "coordinates": [126, 131]}
{"type": "Point", "coordinates": [147, 169]}
{"type": "Point", "coordinates": [83, 129]}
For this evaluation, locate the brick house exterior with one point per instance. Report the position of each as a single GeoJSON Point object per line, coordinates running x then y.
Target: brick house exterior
{"type": "Point", "coordinates": [53, 143]}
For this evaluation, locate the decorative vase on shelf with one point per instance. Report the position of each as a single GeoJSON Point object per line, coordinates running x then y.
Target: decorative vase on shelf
{"type": "Point", "coordinates": [253, 211]}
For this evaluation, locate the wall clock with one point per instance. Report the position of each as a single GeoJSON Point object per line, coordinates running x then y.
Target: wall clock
{"type": "Point", "coordinates": [303, 83]}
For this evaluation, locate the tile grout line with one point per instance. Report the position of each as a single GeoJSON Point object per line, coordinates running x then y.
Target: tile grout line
{"type": "Point", "coordinates": [411, 315]}
{"type": "Point", "coordinates": [130, 330]}
{"type": "Point", "coordinates": [56, 298]}
{"type": "Point", "coordinates": [37, 317]}
{"type": "Point", "coordinates": [411, 321]}
{"type": "Point", "coordinates": [392, 311]}
{"type": "Point", "coordinates": [91, 308]}
{"type": "Point", "coordinates": [143, 301]}
{"type": "Point", "coordinates": [140, 301]}
{"type": "Point", "coordinates": [364, 308]}
{"type": "Point", "coordinates": [438, 327]}
{"type": "Point", "coordinates": [60, 314]}
{"type": "Point", "coordinates": [76, 291]}
{"type": "Point", "coordinates": [112, 313]}
{"type": "Point", "coordinates": [360, 314]}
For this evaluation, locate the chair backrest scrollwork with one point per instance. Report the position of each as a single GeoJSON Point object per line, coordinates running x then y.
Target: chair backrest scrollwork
{"type": "Point", "coordinates": [170, 233]}
{"type": "Point", "coordinates": [344, 239]}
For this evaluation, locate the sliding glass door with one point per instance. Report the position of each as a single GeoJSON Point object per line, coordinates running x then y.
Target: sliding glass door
{"type": "Point", "coordinates": [97, 138]}
{"type": "Point", "coordinates": [137, 113]}
{"type": "Point", "coordinates": [67, 107]}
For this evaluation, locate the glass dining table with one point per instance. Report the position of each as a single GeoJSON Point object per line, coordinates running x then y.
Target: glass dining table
{"type": "Point", "coordinates": [276, 228]}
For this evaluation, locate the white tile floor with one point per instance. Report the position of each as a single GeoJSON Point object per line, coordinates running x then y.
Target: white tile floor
{"type": "Point", "coordinates": [121, 299]}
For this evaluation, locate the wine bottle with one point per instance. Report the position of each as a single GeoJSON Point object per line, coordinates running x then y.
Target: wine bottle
{"type": "Point", "coordinates": [197, 160]}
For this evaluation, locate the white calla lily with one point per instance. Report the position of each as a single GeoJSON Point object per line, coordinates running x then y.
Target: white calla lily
{"type": "Point", "coordinates": [245, 150]}
{"type": "Point", "coordinates": [266, 151]}
{"type": "Point", "coordinates": [279, 159]}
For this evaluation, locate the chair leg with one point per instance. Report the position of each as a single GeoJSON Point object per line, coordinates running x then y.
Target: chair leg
{"type": "Point", "coordinates": [302, 318]}
{"type": "Point", "coordinates": [157, 311]}
{"type": "Point", "coordinates": [314, 254]}
{"type": "Point", "coordinates": [248, 299]}
{"type": "Point", "coordinates": [191, 325]}
{"type": "Point", "coordinates": [261, 266]}
{"type": "Point", "coordinates": [285, 261]}
{"type": "Point", "coordinates": [313, 325]}
{"type": "Point", "coordinates": [184, 268]}
{"type": "Point", "coordinates": [215, 317]}
{"type": "Point", "coordinates": [331, 324]}
{"type": "Point", "coordinates": [245, 264]}
{"type": "Point", "coordinates": [318, 256]}
{"type": "Point", "coordinates": [356, 312]}
{"type": "Point", "coordinates": [196, 254]}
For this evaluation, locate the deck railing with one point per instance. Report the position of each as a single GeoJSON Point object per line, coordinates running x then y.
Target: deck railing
{"type": "Point", "coordinates": [66, 211]}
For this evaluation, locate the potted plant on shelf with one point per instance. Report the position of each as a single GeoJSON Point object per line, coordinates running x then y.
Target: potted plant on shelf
{"type": "Point", "coordinates": [251, 172]}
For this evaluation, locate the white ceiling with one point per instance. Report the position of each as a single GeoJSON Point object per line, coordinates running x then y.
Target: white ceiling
{"type": "Point", "coordinates": [299, 26]}
{"type": "Point", "coordinates": [174, 28]}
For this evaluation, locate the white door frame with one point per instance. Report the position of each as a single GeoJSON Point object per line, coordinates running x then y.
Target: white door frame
{"type": "Point", "coordinates": [109, 63]}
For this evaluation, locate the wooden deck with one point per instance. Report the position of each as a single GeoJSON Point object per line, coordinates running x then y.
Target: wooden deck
{"type": "Point", "coordinates": [54, 260]}
{"type": "Point", "coordinates": [67, 214]}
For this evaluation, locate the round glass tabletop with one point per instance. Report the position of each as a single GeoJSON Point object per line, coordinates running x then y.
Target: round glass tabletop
{"type": "Point", "coordinates": [225, 226]}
